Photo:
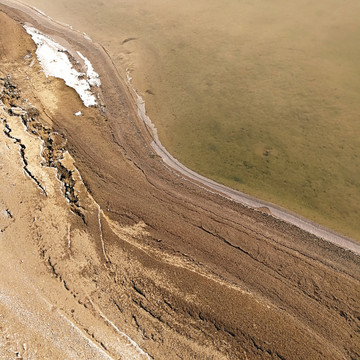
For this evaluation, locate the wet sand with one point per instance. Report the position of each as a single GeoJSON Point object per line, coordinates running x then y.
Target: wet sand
{"type": "Point", "coordinates": [139, 250]}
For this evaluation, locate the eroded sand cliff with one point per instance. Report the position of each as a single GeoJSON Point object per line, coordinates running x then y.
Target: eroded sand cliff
{"type": "Point", "coordinates": [108, 254]}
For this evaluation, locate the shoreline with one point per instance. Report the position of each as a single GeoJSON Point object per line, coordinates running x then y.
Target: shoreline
{"type": "Point", "coordinates": [278, 212]}
{"type": "Point", "coordinates": [210, 185]}
{"type": "Point", "coordinates": [179, 268]}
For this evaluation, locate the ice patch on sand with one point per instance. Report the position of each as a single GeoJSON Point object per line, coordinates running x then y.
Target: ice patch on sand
{"type": "Point", "coordinates": [54, 59]}
{"type": "Point", "coordinates": [128, 77]}
{"type": "Point", "coordinates": [87, 37]}
{"type": "Point", "coordinates": [93, 77]}
{"type": "Point", "coordinates": [41, 12]}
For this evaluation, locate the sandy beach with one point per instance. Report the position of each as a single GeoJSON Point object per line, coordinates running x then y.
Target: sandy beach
{"type": "Point", "coordinates": [108, 253]}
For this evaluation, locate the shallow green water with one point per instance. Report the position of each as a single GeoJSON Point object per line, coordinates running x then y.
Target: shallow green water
{"type": "Point", "coordinates": [261, 96]}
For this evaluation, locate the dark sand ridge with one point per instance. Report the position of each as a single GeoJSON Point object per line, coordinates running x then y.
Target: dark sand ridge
{"type": "Point", "coordinates": [298, 287]}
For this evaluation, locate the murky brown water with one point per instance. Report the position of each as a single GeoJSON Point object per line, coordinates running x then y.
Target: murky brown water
{"type": "Point", "coordinates": [262, 96]}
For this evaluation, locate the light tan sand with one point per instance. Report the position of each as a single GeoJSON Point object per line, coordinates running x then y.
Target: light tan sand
{"type": "Point", "coordinates": [129, 258]}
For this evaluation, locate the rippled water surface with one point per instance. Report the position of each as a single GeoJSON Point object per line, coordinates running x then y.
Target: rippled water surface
{"type": "Point", "coordinates": [263, 96]}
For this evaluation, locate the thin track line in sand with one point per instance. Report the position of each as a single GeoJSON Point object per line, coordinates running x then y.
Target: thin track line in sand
{"type": "Point", "coordinates": [101, 233]}
{"type": "Point", "coordinates": [69, 236]}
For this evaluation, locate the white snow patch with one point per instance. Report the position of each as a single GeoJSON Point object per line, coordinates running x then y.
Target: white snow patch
{"type": "Point", "coordinates": [93, 77]}
{"type": "Point", "coordinates": [128, 76]}
{"type": "Point", "coordinates": [78, 113]}
{"type": "Point", "coordinates": [54, 60]}
{"type": "Point", "coordinates": [41, 12]}
{"type": "Point", "coordinates": [87, 37]}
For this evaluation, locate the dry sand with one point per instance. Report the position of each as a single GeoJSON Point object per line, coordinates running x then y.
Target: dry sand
{"type": "Point", "coordinates": [120, 258]}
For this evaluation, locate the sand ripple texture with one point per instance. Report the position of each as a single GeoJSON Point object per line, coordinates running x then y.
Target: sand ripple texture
{"type": "Point", "coordinates": [110, 253]}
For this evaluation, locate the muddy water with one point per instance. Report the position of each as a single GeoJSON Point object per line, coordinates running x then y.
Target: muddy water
{"type": "Point", "coordinates": [262, 96]}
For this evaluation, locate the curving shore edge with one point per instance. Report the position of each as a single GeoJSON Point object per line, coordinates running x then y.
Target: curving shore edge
{"type": "Point", "coordinates": [133, 242]}
{"type": "Point", "coordinates": [273, 210]}
{"type": "Point", "coordinates": [208, 184]}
